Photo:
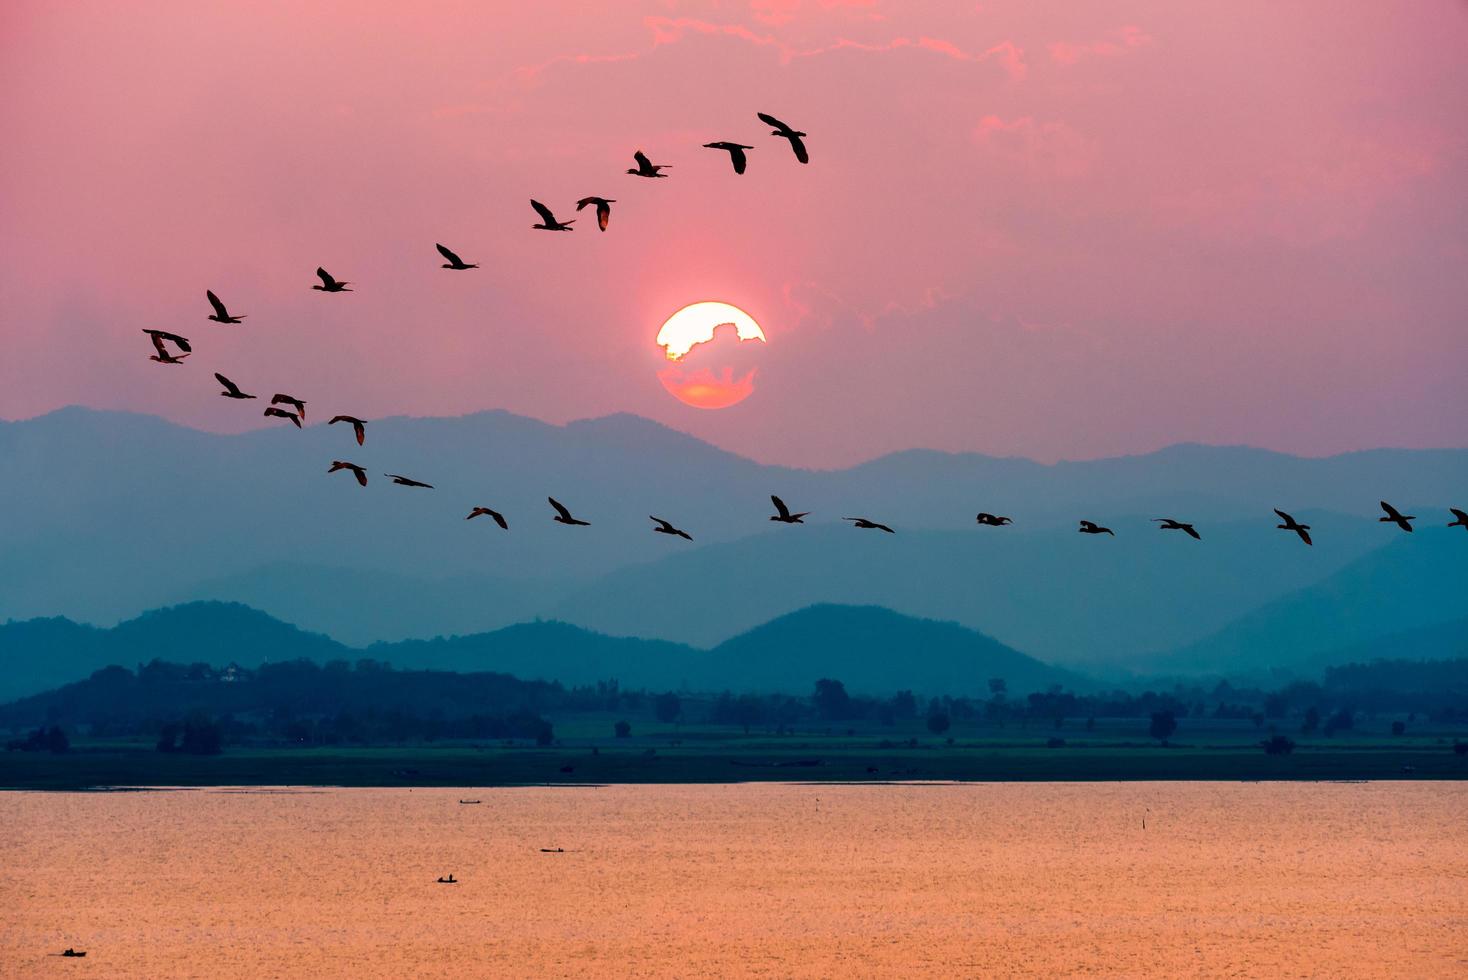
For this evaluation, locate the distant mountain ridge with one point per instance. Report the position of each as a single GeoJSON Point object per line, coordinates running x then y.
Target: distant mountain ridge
{"type": "Point", "coordinates": [871, 650]}
{"type": "Point", "coordinates": [134, 513]}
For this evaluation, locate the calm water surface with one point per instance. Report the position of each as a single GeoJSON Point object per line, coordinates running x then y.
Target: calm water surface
{"type": "Point", "coordinates": [1284, 879]}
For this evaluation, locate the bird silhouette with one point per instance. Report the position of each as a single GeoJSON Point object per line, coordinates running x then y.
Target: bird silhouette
{"type": "Point", "coordinates": [603, 207]}
{"type": "Point", "coordinates": [548, 220]}
{"type": "Point", "coordinates": [1091, 527]}
{"type": "Point", "coordinates": [358, 426]}
{"type": "Point", "coordinates": [1290, 524]}
{"type": "Point", "coordinates": [563, 516]}
{"type": "Point", "coordinates": [992, 520]}
{"type": "Point", "coordinates": [736, 153]}
{"type": "Point", "coordinates": [330, 285]}
{"type": "Point", "coordinates": [357, 471]}
{"type": "Point", "coordinates": [404, 481]}
{"type": "Point", "coordinates": [231, 390]}
{"type": "Point", "coordinates": [280, 413]}
{"type": "Point", "coordinates": [646, 168]}
{"type": "Point", "coordinates": [665, 528]}
{"type": "Point", "coordinates": [1168, 524]}
{"type": "Point", "coordinates": [871, 525]}
{"type": "Point", "coordinates": [1462, 518]}
{"type": "Point", "coordinates": [486, 512]}
{"type": "Point", "coordinates": [454, 262]}
{"type": "Point", "coordinates": [220, 315]}
{"type": "Point", "coordinates": [783, 515]}
{"type": "Point", "coordinates": [785, 132]}
{"type": "Point", "coordinates": [1394, 516]}
{"type": "Point", "coordinates": [294, 402]}
{"type": "Point", "coordinates": [159, 338]}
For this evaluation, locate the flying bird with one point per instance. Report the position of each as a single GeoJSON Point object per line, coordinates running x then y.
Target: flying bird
{"type": "Point", "coordinates": [1394, 516]}
{"type": "Point", "coordinates": [665, 528]}
{"type": "Point", "coordinates": [603, 207]}
{"type": "Point", "coordinates": [563, 516]}
{"type": "Point", "coordinates": [1168, 524]}
{"type": "Point", "coordinates": [299, 405]}
{"type": "Point", "coordinates": [358, 426]}
{"type": "Point", "coordinates": [783, 514]}
{"type": "Point", "coordinates": [548, 220]}
{"type": "Point", "coordinates": [404, 481]}
{"type": "Point", "coordinates": [330, 285]}
{"type": "Point", "coordinates": [646, 168]}
{"type": "Point", "coordinates": [1091, 527]}
{"type": "Point", "coordinates": [220, 315]}
{"type": "Point", "coordinates": [1290, 524]}
{"type": "Point", "coordinates": [231, 390]}
{"type": "Point", "coordinates": [1462, 518]}
{"type": "Point", "coordinates": [280, 413]}
{"type": "Point", "coordinates": [357, 471]}
{"type": "Point", "coordinates": [736, 153]}
{"type": "Point", "coordinates": [785, 132]}
{"type": "Point", "coordinates": [486, 512]}
{"type": "Point", "coordinates": [454, 262]}
{"type": "Point", "coordinates": [159, 337]}
{"type": "Point", "coordinates": [991, 520]}
{"type": "Point", "coordinates": [872, 525]}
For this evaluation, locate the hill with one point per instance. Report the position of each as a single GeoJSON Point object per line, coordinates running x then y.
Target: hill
{"type": "Point", "coordinates": [1413, 583]}
{"type": "Point", "coordinates": [875, 651]}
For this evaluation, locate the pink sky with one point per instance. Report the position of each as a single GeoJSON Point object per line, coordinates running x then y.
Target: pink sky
{"type": "Point", "coordinates": [1043, 229]}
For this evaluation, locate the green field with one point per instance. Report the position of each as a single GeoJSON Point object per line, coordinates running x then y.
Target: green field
{"type": "Point", "coordinates": [710, 754]}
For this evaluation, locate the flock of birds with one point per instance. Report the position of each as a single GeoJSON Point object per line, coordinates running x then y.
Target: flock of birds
{"type": "Point", "coordinates": [292, 409]}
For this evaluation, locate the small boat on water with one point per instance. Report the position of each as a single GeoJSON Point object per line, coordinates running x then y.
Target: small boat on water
{"type": "Point", "coordinates": [467, 802]}
{"type": "Point", "coordinates": [553, 850]}
{"type": "Point", "coordinates": [74, 953]}
{"type": "Point", "coordinates": [450, 880]}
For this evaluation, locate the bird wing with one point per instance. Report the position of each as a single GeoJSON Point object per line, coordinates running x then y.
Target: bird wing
{"type": "Point", "coordinates": [560, 508]}
{"type": "Point", "coordinates": [666, 526]}
{"type": "Point", "coordinates": [499, 519]}
{"type": "Point", "coordinates": [228, 384]}
{"type": "Point", "coordinates": [446, 253]}
{"type": "Point", "coordinates": [325, 276]}
{"type": "Point", "coordinates": [544, 212]}
{"type": "Point", "coordinates": [884, 527]}
{"type": "Point", "coordinates": [219, 309]}
{"type": "Point", "coordinates": [780, 506]}
{"type": "Point", "coordinates": [1460, 515]}
{"type": "Point", "coordinates": [183, 342]}
{"type": "Point", "coordinates": [603, 212]}
{"type": "Point", "coordinates": [798, 145]}
{"type": "Point", "coordinates": [736, 153]}
{"type": "Point", "coordinates": [158, 345]}
{"type": "Point", "coordinates": [1391, 511]}
{"type": "Point", "coordinates": [770, 120]}
{"type": "Point", "coordinates": [587, 202]}
{"type": "Point", "coordinates": [1088, 524]}
{"type": "Point", "coordinates": [1304, 535]}
{"type": "Point", "coordinates": [360, 474]}
{"type": "Point", "coordinates": [1284, 517]}
{"type": "Point", "coordinates": [1192, 532]}
{"type": "Point", "coordinates": [359, 428]}
{"type": "Point", "coordinates": [642, 161]}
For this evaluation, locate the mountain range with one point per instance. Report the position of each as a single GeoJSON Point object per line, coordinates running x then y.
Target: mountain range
{"type": "Point", "coordinates": [114, 514]}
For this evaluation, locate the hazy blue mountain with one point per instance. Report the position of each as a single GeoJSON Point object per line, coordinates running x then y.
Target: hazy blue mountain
{"type": "Point", "coordinates": [40, 654]}
{"type": "Point", "coordinates": [1440, 641]}
{"type": "Point", "coordinates": [872, 650]}
{"type": "Point", "coordinates": [1414, 582]}
{"type": "Point", "coordinates": [875, 651]}
{"type": "Point", "coordinates": [1064, 597]}
{"type": "Point", "coordinates": [123, 513]}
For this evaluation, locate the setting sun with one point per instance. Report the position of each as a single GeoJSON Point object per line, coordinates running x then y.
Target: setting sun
{"type": "Point", "coordinates": [704, 344]}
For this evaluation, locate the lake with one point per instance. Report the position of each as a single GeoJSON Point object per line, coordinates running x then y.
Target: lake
{"type": "Point", "coordinates": [977, 879]}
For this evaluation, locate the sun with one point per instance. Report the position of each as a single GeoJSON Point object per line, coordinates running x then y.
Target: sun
{"type": "Point", "coordinates": [708, 352]}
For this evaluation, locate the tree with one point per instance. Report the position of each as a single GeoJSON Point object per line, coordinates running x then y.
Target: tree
{"type": "Point", "coordinates": [1164, 723]}
{"type": "Point", "coordinates": [938, 720]}
{"type": "Point", "coordinates": [623, 729]}
{"type": "Point", "coordinates": [1342, 720]}
{"type": "Point", "coordinates": [667, 706]}
{"type": "Point", "coordinates": [1399, 727]}
{"type": "Point", "coordinates": [1312, 720]}
{"type": "Point", "coordinates": [998, 688]}
{"type": "Point", "coordinates": [1278, 745]}
{"type": "Point", "coordinates": [831, 701]}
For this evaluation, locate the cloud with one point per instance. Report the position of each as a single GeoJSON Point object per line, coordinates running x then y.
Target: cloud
{"type": "Point", "coordinates": [1051, 146]}
{"type": "Point", "coordinates": [1117, 42]}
